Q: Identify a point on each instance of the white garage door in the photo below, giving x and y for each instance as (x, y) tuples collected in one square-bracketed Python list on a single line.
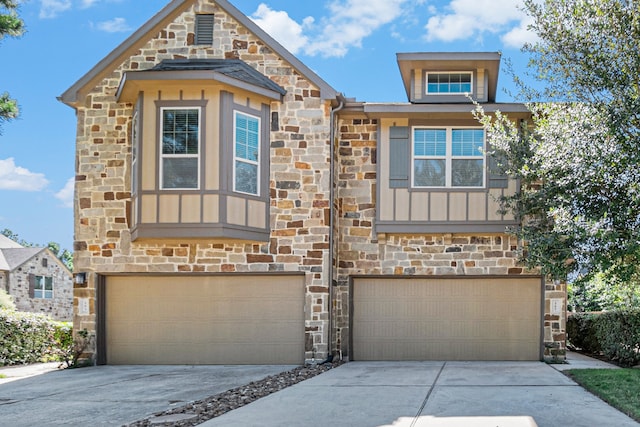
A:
[(446, 319), (204, 320)]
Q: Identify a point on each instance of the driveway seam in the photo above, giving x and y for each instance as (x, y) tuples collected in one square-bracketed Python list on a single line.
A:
[(424, 402)]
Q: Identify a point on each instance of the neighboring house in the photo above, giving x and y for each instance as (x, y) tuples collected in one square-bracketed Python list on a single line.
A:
[(36, 279), (232, 207)]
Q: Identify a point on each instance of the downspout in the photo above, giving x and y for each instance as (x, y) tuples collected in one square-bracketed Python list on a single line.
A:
[(332, 162)]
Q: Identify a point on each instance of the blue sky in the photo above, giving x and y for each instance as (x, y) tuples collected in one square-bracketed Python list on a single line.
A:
[(349, 43)]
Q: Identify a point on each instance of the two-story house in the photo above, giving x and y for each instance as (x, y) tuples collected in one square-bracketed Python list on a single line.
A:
[(232, 207)]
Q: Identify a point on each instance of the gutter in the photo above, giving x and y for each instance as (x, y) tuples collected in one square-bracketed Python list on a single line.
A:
[(332, 257)]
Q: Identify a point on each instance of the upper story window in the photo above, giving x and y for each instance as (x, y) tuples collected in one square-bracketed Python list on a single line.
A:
[(43, 287), (180, 155), (246, 165), (448, 83), (135, 122), (448, 157)]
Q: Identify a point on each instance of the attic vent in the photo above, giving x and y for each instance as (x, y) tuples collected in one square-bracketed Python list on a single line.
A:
[(204, 29)]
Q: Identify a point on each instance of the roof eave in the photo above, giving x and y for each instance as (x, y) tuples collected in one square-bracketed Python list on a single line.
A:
[(192, 75), (407, 110)]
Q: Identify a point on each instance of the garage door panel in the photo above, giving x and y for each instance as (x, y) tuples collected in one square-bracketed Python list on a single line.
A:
[(205, 320), (446, 319)]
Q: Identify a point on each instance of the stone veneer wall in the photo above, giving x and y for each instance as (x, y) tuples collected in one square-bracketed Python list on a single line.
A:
[(60, 307), (299, 181), (360, 251)]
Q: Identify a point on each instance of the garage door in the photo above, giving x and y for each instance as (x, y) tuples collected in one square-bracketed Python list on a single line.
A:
[(446, 319), (204, 320)]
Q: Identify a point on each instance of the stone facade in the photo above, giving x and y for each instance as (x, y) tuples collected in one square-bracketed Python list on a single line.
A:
[(361, 251), (300, 196), (299, 181), (16, 282)]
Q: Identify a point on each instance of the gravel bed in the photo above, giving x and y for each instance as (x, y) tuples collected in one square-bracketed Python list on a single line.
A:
[(197, 412)]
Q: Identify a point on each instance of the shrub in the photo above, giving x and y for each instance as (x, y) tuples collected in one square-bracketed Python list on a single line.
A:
[(582, 331), (619, 336), (24, 337), (69, 349), (6, 301)]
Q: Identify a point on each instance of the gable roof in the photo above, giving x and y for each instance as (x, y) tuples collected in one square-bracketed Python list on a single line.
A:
[(73, 95), (6, 243), (12, 258)]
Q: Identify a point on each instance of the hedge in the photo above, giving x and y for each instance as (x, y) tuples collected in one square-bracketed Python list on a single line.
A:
[(615, 334), (31, 338)]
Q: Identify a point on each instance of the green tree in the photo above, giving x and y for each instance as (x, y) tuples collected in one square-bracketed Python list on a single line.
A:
[(10, 25), (578, 157)]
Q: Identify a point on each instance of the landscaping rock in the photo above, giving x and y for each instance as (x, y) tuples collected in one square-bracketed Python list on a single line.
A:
[(197, 412)]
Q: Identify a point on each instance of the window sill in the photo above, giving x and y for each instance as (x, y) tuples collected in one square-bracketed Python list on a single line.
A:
[(199, 232)]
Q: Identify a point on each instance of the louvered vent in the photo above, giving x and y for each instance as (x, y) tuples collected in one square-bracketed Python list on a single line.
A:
[(204, 29)]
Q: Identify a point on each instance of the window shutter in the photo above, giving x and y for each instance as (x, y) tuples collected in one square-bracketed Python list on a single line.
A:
[(399, 157), (497, 179), (204, 29), (32, 285)]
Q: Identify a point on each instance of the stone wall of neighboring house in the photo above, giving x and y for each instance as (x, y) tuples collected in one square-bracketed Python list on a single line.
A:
[(360, 251), (3, 280), (60, 307), (299, 181)]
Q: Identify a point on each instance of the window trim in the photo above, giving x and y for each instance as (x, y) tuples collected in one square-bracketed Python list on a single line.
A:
[(43, 289), (448, 157), (237, 112), (162, 156), (135, 149), (426, 83)]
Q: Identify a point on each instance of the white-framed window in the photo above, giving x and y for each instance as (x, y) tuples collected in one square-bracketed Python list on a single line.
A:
[(43, 287), (448, 157), (246, 157), (134, 151), (449, 83), (180, 148)]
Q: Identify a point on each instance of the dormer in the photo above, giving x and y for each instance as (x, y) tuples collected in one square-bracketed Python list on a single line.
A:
[(449, 77)]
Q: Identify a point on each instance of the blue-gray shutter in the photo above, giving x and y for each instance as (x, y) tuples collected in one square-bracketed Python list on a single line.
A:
[(32, 285), (497, 179), (399, 156)]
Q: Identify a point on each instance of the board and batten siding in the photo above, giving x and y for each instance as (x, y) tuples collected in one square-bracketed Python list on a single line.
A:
[(406, 209), (213, 210)]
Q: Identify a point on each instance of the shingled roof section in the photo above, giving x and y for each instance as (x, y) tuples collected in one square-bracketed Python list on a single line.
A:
[(234, 68), (10, 259)]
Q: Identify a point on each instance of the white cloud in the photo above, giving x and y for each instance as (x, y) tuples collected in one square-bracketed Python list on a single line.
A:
[(115, 25), (350, 22), (281, 27), (66, 194), (14, 177), (51, 8), (471, 18), (87, 3), (520, 35)]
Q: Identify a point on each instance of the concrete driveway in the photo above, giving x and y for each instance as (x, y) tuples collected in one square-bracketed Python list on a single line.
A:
[(433, 394), (371, 394), (114, 395)]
